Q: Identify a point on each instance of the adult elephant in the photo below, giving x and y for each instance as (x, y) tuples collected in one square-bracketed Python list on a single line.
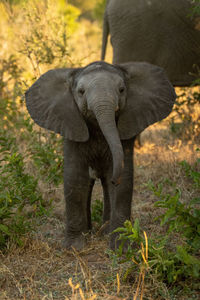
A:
[(161, 32), (99, 109)]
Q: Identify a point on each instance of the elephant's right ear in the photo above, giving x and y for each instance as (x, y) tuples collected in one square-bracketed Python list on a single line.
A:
[(51, 105), (150, 98)]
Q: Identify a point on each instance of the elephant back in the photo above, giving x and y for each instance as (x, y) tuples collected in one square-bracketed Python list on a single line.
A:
[(161, 32)]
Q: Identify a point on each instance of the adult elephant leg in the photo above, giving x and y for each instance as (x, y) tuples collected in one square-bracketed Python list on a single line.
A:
[(91, 185), (122, 194), (76, 189)]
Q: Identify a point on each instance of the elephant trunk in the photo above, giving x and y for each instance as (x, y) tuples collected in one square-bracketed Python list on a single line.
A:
[(106, 119)]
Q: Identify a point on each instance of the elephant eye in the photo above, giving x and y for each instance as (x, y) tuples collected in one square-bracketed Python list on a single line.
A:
[(81, 91), (121, 89)]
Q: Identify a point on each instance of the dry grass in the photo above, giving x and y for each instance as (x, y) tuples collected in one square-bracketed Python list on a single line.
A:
[(42, 269)]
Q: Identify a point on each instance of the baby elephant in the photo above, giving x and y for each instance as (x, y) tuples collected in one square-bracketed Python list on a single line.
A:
[(99, 109)]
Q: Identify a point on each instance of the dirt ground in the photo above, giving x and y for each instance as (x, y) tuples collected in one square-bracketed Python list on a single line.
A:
[(42, 269)]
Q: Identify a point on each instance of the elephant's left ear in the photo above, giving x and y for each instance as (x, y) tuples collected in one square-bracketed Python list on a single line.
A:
[(150, 98), (51, 105)]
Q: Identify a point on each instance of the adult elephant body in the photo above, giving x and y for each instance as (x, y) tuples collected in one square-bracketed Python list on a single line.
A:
[(99, 109), (161, 32)]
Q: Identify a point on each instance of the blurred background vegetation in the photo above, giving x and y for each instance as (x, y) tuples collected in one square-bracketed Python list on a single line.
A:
[(35, 36), (39, 35)]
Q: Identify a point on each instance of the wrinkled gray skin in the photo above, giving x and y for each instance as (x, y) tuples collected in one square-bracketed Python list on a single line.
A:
[(161, 32), (99, 109)]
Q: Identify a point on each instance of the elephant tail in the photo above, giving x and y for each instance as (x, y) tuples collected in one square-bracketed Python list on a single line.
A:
[(105, 36)]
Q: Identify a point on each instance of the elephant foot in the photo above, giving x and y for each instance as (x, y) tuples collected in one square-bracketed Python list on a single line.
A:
[(105, 229), (115, 243), (77, 243)]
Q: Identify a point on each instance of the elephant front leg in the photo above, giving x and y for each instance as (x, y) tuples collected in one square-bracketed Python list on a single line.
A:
[(105, 181), (106, 196), (76, 189), (122, 195), (91, 185)]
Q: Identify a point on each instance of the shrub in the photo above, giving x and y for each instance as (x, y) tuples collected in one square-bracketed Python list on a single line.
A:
[(47, 155), (97, 210), (185, 123), (159, 256), (39, 31), (99, 10), (20, 199)]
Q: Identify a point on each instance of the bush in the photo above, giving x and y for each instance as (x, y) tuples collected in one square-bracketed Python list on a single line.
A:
[(43, 29), (97, 211), (161, 257), (99, 10), (20, 198), (185, 123), (47, 155), (196, 8), (40, 32)]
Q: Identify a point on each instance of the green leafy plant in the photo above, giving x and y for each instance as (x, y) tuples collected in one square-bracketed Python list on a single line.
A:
[(169, 262), (19, 196), (46, 153), (185, 123), (195, 8), (166, 265), (192, 171), (182, 217), (97, 210), (131, 234)]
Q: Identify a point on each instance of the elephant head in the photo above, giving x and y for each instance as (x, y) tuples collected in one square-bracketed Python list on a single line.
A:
[(122, 99)]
